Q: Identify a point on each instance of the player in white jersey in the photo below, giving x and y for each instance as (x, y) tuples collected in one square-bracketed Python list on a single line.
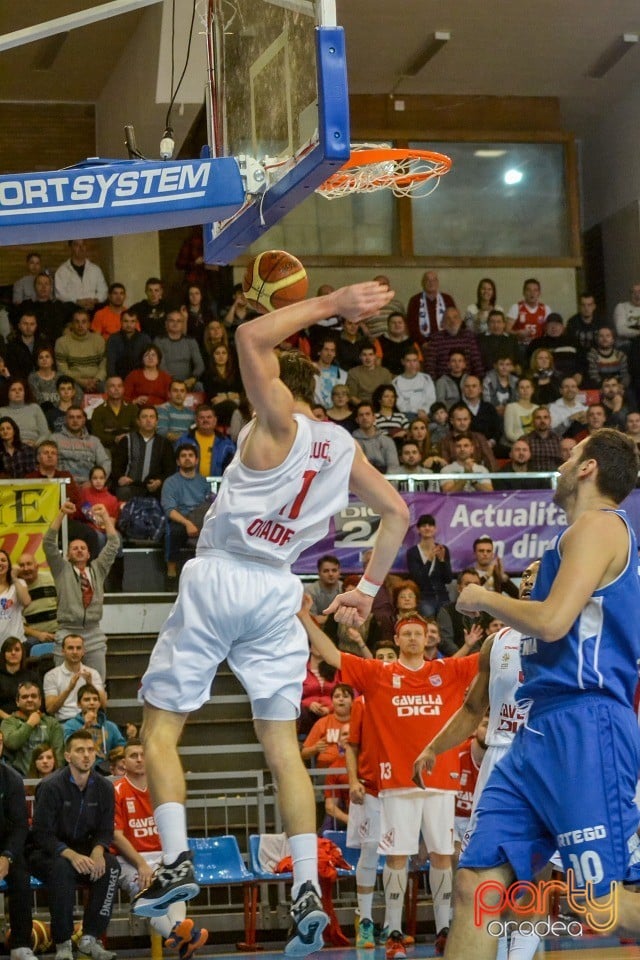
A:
[(494, 688), (238, 598)]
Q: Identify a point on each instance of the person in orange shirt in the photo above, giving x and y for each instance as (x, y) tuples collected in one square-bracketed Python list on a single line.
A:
[(106, 320), (329, 734), (406, 699), (137, 844)]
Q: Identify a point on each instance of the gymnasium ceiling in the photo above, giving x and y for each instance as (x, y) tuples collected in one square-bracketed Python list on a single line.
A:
[(497, 47)]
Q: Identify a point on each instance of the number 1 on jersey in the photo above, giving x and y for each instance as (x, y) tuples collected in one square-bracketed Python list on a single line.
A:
[(296, 506)]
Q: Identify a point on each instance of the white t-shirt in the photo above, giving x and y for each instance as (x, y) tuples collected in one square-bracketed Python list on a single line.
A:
[(415, 393), (58, 679), (11, 621)]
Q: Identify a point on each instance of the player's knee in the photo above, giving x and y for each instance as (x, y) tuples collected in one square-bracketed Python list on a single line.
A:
[(464, 889)]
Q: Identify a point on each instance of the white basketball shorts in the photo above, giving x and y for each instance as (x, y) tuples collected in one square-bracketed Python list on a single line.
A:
[(405, 815), (363, 826)]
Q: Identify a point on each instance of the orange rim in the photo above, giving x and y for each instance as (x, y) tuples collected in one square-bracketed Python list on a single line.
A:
[(439, 164)]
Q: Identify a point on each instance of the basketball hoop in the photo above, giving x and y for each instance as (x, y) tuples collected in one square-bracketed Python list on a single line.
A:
[(403, 170)]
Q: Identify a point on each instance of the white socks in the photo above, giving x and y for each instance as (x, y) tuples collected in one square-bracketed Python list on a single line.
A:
[(440, 882), (395, 886), (304, 854), (171, 821)]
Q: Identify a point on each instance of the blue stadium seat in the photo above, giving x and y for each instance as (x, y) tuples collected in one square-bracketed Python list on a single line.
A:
[(254, 863), (351, 854), (217, 860), (42, 649)]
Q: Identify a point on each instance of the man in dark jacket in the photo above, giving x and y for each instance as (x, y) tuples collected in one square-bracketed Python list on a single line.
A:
[(72, 833), (13, 868), (143, 459)]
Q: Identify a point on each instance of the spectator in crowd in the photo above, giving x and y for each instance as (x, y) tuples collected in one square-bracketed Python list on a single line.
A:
[(215, 451), (416, 390), (136, 839), (426, 310), (174, 417), (379, 449), (80, 281), (449, 385), (596, 419), (382, 607), (81, 354), (626, 316), (42, 380), (113, 419), (488, 566), (69, 395), (563, 347), (438, 423), (453, 625), (632, 428), (500, 385), (584, 325), (199, 313), (22, 346), (142, 459), (476, 316), (126, 346), (27, 727), (80, 586), (13, 868), (340, 410), (452, 336), (393, 344), (183, 496), (24, 288), (544, 376), (406, 599), (389, 419), (518, 416), (17, 459), (52, 315), (526, 318), (72, 835), (498, 342), (239, 311), (568, 409), (324, 590), (181, 357), (329, 374), (460, 423), (612, 395), (152, 310), (317, 687), (14, 598), (221, 381), (215, 334), (429, 566), (519, 462), (47, 467), (465, 463), (605, 360), (419, 433), (328, 736), (363, 379), (13, 672), (91, 716), (356, 640), (377, 325), (41, 616), (351, 340), (543, 442), (566, 446), (485, 418), (148, 384), (17, 403), (410, 465), (78, 451), (92, 493), (61, 684), (106, 320), (43, 762)]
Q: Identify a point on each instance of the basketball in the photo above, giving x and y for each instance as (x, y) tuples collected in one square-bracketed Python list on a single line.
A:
[(274, 279), (40, 937)]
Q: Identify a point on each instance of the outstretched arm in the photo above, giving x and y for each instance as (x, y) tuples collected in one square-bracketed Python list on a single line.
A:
[(463, 722), (320, 642), (257, 339), (372, 488)]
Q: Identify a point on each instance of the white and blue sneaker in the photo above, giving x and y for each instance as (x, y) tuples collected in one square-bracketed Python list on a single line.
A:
[(308, 922)]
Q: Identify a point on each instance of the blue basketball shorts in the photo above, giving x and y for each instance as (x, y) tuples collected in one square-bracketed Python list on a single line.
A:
[(568, 783)]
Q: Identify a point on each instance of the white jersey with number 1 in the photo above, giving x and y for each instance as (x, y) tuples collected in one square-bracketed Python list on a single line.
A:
[(275, 514)]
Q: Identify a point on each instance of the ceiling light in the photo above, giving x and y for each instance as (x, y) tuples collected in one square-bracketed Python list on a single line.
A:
[(489, 154), (512, 177), (612, 55)]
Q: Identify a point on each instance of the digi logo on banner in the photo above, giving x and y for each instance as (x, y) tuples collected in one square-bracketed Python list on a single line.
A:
[(356, 526)]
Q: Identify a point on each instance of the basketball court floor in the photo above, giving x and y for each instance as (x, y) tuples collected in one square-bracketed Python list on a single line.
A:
[(589, 948)]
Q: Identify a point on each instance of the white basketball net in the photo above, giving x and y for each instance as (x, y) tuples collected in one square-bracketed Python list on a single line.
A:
[(404, 175)]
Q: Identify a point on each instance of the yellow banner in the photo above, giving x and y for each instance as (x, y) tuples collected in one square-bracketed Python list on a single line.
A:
[(27, 508)]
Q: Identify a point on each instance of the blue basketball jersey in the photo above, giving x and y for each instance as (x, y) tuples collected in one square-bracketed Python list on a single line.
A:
[(600, 652)]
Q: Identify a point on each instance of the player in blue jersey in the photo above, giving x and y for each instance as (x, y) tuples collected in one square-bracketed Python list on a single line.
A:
[(569, 779)]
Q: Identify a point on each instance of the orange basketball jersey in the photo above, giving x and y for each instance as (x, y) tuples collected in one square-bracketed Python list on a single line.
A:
[(134, 817)]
